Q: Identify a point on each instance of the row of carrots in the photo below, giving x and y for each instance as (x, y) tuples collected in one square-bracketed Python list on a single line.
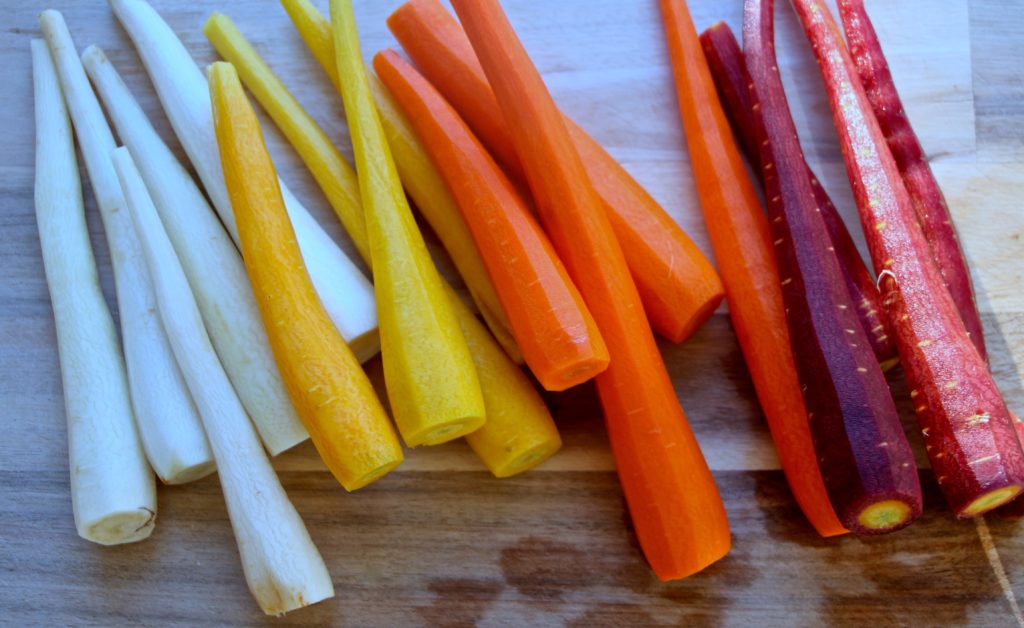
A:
[(257, 323)]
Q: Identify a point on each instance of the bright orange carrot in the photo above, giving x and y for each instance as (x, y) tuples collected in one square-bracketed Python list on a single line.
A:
[(741, 239), (676, 509), (677, 285), (332, 394), (551, 324)]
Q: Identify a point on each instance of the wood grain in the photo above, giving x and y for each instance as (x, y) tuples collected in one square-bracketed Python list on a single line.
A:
[(440, 542)]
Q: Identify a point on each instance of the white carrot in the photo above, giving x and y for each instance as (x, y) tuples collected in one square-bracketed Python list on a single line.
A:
[(171, 431), (112, 490), (345, 292), (210, 260), (282, 566)]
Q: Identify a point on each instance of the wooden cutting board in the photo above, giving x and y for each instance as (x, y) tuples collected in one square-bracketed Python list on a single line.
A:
[(439, 541)]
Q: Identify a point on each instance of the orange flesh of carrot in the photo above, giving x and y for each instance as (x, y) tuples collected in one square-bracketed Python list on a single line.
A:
[(551, 324), (331, 393), (675, 506), (741, 240), (677, 284)]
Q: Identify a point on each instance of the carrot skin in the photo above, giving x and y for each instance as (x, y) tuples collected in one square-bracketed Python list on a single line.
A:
[(552, 326), (331, 393), (729, 70), (677, 284), (930, 204), (968, 430), (863, 454), (742, 243), (678, 514)]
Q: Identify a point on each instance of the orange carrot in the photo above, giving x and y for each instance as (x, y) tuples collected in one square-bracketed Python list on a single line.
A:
[(552, 326), (677, 285), (742, 243), (678, 514)]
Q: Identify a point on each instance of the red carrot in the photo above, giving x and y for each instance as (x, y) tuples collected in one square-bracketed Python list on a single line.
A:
[(678, 514), (677, 285), (925, 195), (729, 70), (968, 430), (742, 242), (551, 324), (863, 454)]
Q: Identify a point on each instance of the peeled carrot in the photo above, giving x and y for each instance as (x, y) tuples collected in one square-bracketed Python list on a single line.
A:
[(431, 381), (519, 433), (678, 286), (729, 70), (419, 177), (678, 514), (332, 394), (552, 325), (742, 243), (925, 193)]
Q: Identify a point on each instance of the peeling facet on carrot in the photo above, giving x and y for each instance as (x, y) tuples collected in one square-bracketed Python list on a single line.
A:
[(742, 241), (332, 394), (431, 380), (676, 509), (678, 286), (552, 325), (418, 175), (968, 430), (728, 68)]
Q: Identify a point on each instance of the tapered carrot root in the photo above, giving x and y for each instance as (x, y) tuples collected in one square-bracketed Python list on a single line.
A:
[(968, 430), (925, 194), (677, 285), (552, 325), (725, 59), (863, 454), (678, 514), (742, 243), (331, 392)]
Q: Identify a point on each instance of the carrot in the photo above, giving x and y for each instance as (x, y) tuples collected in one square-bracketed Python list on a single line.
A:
[(863, 454), (519, 433), (432, 383), (729, 70), (678, 286), (925, 193), (742, 244), (968, 430), (332, 394), (552, 325), (678, 514), (419, 177)]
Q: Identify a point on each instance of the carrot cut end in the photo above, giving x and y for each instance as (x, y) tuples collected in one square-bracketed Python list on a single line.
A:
[(885, 516), (371, 476), (528, 459), (990, 500)]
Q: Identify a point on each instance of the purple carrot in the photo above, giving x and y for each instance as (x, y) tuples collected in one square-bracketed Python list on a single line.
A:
[(729, 70), (864, 457), (929, 203)]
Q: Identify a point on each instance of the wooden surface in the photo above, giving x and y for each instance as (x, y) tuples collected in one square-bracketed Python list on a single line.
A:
[(441, 542)]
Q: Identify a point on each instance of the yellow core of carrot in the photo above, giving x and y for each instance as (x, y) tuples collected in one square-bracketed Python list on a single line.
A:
[(990, 500), (884, 515), (331, 393)]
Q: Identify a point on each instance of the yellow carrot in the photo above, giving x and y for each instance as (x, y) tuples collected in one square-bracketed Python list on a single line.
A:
[(419, 177), (519, 432), (332, 394), (431, 380)]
